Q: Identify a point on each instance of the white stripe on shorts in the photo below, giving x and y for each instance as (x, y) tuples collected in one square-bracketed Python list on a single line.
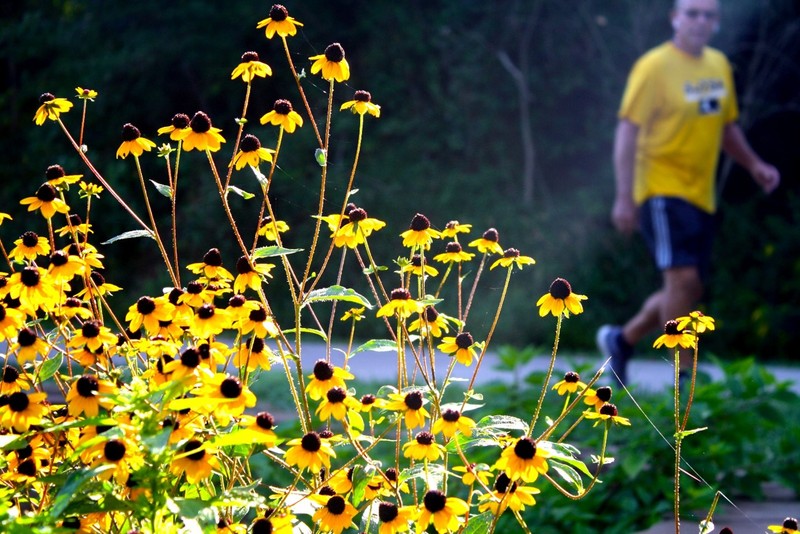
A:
[(663, 248)]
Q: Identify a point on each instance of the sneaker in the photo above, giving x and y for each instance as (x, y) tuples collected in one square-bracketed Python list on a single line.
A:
[(615, 349)]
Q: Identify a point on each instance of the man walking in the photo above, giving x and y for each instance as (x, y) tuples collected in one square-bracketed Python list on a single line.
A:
[(678, 110)]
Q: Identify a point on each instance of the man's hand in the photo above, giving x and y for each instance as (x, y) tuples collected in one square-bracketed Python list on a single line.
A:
[(766, 176), (624, 215)]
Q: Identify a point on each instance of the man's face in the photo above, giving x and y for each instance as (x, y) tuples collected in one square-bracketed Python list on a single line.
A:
[(694, 22)]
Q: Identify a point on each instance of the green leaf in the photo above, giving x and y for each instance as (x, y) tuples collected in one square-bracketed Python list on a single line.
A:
[(336, 293), (262, 180), (273, 250), (50, 367), (314, 331), (478, 524), (163, 189), (129, 235), (72, 487), (683, 434), (569, 475), (564, 453), (321, 156), (241, 192), (377, 345), (356, 421), (502, 422)]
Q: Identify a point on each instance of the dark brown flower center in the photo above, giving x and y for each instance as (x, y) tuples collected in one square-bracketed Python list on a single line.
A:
[(790, 522), (609, 409), (46, 193), (387, 512), (336, 395), (311, 442), (368, 400), (194, 287), (491, 235), (18, 401), (431, 314), (30, 276), (236, 301), (671, 328), (24, 452), (424, 438), (46, 97), (262, 525), (278, 13), (265, 420), (250, 143), (334, 52), (30, 239), (213, 257), (571, 377), (451, 416), (90, 329), (362, 96), (231, 388), (399, 294), (145, 305), (357, 214), (453, 247), (419, 223), (434, 501), (259, 315), (417, 260), (26, 337), (511, 253), (87, 386), (114, 450), (200, 123), (336, 505), (194, 445), (560, 289), (27, 467), (525, 448), (282, 107), (243, 265), (130, 132), (54, 172), (323, 370), (10, 375), (249, 56), (603, 393), (190, 358), (206, 311), (58, 258), (391, 474), (164, 360), (464, 340), (413, 400), (180, 121)]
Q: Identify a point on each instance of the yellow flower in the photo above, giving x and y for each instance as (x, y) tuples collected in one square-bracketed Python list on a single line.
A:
[(64, 267), (474, 473), (133, 142), (121, 453), (453, 228), (356, 314), (419, 266), (250, 274), (29, 345), (251, 153), (270, 229), (523, 460), (222, 396), (488, 243), (88, 394), (279, 22), (607, 412), (354, 232), (179, 122), (393, 519), (200, 134), (149, 312), (451, 422), (400, 303), (11, 320), (335, 404), (419, 234), (196, 459), (86, 94), (324, 377), (310, 452), (11, 380), (699, 322), (253, 354), (462, 346), (332, 64), (209, 321), (423, 447), (560, 299), (361, 104), (46, 201), (250, 67), (51, 107), (211, 266), (507, 494), (446, 513), (56, 176), (453, 253), (335, 515), (34, 288), (411, 405), (674, 336), (94, 335), (283, 115), (789, 526), (570, 384), (431, 322), (189, 368), (22, 410), (511, 258), (28, 247), (259, 428), (597, 398)]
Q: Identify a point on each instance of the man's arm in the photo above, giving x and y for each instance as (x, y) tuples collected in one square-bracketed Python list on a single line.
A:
[(735, 144), (623, 213)]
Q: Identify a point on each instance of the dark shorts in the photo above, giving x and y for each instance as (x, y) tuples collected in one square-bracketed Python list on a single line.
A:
[(677, 233)]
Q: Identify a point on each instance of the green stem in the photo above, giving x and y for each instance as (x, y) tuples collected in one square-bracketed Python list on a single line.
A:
[(548, 376)]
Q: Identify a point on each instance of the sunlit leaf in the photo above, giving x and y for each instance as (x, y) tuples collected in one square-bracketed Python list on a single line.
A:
[(163, 189), (336, 293), (132, 234)]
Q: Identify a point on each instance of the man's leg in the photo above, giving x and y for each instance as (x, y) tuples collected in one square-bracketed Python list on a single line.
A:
[(683, 288)]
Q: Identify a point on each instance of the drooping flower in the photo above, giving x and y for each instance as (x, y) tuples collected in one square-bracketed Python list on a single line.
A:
[(270, 229), (453, 253), (324, 377), (283, 115), (393, 519), (310, 452), (411, 405), (699, 322), (279, 22), (453, 228), (357, 229), (423, 447), (335, 514), (196, 459), (29, 345), (56, 176), (251, 153), (400, 304), (445, 513), (361, 104), (607, 412), (523, 460), (674, 336), (211, 266), (250, 274), (507, 494), (200, 134), (418, 266), (88, 394), (86, 94), (419, 234), (51, 107), (46, 201), (28, 247), (64, 266), (488, 243), (570, 384), (511, 257), (178, 123), (250, 67), (149, 312), (431, 322), (133, 142), (560, 299), (22, 410), (452, 421), (597, 398), (789, 526), (462, 346), (260, 428), (332, 64)]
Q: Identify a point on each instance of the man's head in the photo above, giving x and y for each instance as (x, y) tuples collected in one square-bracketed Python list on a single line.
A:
[(693, 23)]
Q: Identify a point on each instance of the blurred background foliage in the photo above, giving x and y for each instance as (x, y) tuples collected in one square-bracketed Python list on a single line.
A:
[(497, 114)]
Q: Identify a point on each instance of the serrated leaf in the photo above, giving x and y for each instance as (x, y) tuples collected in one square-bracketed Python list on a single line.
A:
[(336, 293), (478, 524), (72, 486), (132, 234), (49, 367), (163, 189), (377, 345), (502, 422), (569, 475), (241, 192), (273, 250)]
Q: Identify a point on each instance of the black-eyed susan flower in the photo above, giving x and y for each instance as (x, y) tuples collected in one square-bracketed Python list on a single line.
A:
[(149, 312), (22, 410), (270, 229), (46, 201), (507, 494), (523, 460), (370, 402), (354, 314), (34, 289), (453, 253), (335, 404), (222, 396), (674, 337), (445, 513), (209, 321), (122, 454), (72, 308), (393, 519), (400, 304), (178, 123), (453, 228), (560, 299), (411, 405), (597, 398), (251, 153), (11, 320), (28, 247), (511, 257), (335, 514), (56, 176), (423, 447), (474, 473), (226, 525), (196, 294), (310, 452), (133, 142), (64, 266), (430, 322), (324, 377), (211, 266), (200, 134), (461, 346), (607, 412), (94, 335), (789, 526), (283, 115), (488, 243), (188, 368), (452, 422), (29, 345), (250, 274), (261, 428), (88, 394), (26, 463), (570, 384), (361, 104), (357, 229), (418, 266), (12, 380), (50, 108), (253, 354), (419, 233), (250, 67), (85, 94), (279, 22), (332, 64), (698, 322), (196, 459)]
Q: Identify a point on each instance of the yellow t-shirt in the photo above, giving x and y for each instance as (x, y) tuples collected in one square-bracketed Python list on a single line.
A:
[(681, 104)]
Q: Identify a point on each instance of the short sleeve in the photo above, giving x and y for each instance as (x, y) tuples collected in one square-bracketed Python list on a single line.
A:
[(641, 92)]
